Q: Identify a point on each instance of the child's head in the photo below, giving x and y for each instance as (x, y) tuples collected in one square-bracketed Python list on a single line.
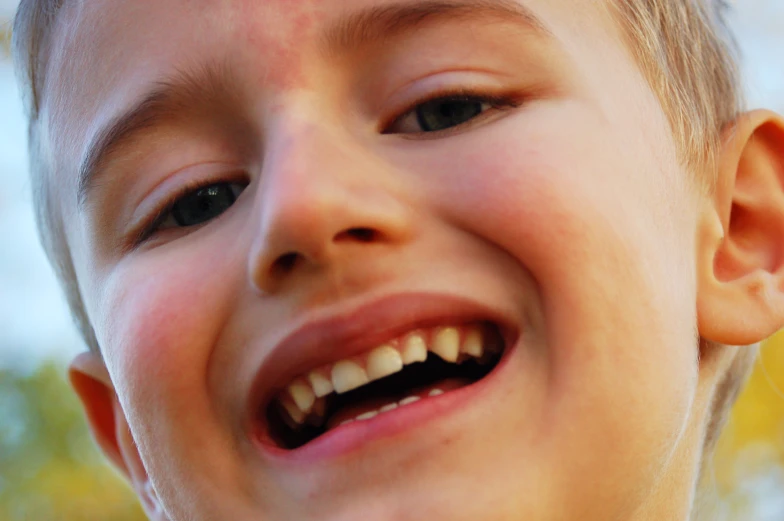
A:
[(251, 203)]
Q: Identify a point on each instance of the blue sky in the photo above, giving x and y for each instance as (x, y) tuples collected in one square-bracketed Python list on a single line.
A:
[(34, 322)]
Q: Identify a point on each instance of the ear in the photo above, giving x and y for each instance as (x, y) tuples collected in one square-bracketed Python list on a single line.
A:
[(92, 383), (740, 259)]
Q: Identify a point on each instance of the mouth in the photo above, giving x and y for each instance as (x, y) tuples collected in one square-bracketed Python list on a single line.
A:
[(421, 365)]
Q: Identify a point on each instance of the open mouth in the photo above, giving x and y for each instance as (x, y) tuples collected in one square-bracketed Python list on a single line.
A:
[(422, 364)]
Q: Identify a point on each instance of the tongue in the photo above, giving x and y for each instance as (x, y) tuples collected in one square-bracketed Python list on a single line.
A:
[(350, 412)]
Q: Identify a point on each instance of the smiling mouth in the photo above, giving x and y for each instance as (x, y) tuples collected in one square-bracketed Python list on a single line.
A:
[(420, 365)]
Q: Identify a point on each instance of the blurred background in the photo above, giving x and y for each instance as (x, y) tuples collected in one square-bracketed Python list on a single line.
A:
[(49, 467)]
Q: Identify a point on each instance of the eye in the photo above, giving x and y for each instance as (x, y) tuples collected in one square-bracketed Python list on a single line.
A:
[(200, 205), (446, 112)]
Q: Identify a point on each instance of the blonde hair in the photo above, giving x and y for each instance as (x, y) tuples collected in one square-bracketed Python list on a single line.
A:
[(687, 54), (682, 47)]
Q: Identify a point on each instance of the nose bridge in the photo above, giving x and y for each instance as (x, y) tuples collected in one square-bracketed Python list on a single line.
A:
[(293, 189), (319, 195)]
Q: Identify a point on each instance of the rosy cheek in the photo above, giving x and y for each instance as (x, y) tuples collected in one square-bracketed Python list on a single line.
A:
[(513, 190), (164, 322)]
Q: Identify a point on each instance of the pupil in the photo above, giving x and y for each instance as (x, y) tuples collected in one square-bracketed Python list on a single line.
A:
[(203, 204), (441, 114)]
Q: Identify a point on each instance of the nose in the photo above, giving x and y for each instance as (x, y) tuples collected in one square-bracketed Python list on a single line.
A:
[(322, 203)]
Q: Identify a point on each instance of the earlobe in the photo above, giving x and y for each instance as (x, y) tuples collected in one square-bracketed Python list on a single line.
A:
[(741, 238), (93, 386), (92, 383)]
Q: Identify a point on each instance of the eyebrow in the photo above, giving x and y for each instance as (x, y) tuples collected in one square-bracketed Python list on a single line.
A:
[(170, 98), (166, 101), (378, 23)]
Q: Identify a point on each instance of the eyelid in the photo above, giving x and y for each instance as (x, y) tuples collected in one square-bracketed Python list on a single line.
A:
[(495, 100), (143, 231)]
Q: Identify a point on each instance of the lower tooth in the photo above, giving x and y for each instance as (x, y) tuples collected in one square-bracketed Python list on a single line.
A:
[(410, 399), (435, 392), (367, 415), (389, 407)]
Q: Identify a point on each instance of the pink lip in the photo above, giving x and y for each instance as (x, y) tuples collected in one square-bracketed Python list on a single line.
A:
[(353, 331), (351, 437)]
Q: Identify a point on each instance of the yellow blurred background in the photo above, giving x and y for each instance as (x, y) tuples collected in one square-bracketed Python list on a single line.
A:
[(749, 460), (50, 469)]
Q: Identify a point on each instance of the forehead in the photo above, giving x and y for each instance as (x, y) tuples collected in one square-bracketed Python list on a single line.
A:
[(110, 51), (101, 42)]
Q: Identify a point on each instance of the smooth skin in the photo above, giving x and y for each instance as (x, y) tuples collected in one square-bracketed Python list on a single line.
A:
[(566, 210)]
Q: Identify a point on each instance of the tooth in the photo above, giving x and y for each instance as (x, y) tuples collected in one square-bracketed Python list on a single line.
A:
[(367, 415), (435, 392), (347, 375), (320, 383), (344, 422), (316, 415), (319, 407), (446, 344), (295, 413), (414, 349), (410, 399), (302, 394), (388, 407), (383, 361), (472, 344)]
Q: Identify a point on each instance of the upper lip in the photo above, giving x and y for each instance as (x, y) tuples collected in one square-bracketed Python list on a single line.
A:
[(339, 335)]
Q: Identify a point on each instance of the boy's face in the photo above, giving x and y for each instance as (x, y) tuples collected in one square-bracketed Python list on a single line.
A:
[(541, 197)]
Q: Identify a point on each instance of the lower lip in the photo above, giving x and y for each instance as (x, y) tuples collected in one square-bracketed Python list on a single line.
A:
[(345, 439)]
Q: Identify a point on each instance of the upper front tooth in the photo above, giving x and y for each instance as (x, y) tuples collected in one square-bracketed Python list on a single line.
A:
[(414, 349), (320, 383), (383, 361), (446, 344), (347, 375), (302, 394), (472, 344)]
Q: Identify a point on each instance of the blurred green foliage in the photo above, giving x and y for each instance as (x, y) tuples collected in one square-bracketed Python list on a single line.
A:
[(49, 467), (51, 471)]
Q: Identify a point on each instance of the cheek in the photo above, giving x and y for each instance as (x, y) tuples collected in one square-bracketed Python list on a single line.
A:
[(161, 324), (580, 209), (167, 312)]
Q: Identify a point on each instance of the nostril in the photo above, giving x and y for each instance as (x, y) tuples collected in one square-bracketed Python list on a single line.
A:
[(288, 262), (358, 234), (285, 263)]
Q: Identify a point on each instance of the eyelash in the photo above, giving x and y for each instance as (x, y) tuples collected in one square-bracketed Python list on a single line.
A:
[(496, 102), (151, 225)]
